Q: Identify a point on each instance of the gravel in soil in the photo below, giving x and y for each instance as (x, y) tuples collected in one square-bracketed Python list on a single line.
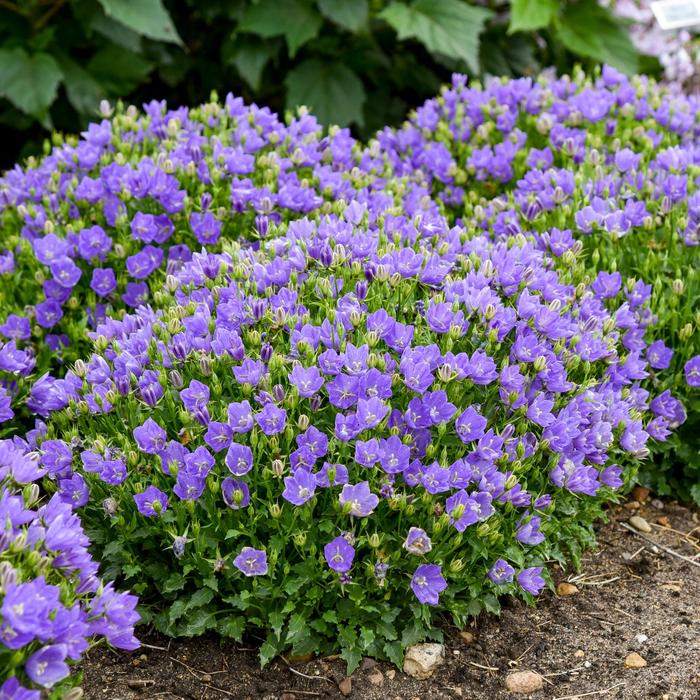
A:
[(632, 599)]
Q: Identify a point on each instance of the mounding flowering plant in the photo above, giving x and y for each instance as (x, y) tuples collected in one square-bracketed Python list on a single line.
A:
[(53, 605), (93, 228), (609, 160), (366, 422)]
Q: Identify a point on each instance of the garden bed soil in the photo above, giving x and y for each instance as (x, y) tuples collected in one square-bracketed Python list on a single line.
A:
[(632, 597)]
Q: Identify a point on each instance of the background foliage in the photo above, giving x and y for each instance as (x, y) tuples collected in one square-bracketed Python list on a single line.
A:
[(359, 63)]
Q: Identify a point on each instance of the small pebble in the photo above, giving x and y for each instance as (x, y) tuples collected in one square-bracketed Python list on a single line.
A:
[(634, 660), (421, 660), (345, 686), (376, 678), (663, 521), (468, 637), (657, 503), (367, 663), (391, 674), (523, 682), (640, 524), (579, 653), (456, 652), (632, 505), (641, 638), (566, 589), (288, 696)]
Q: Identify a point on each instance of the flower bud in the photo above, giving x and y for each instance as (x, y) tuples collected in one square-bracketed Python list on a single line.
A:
[(374, 540), (275, 511), (678, 286), (540, 363), (31, 494), (278, 467), (303, 421), (456, 565)]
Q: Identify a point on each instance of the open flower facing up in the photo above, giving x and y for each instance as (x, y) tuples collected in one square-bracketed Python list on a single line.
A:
[(427, 583), (339, 554), (251, 562)]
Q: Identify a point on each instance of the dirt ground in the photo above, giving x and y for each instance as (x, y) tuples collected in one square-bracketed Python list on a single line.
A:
[(632, 597)]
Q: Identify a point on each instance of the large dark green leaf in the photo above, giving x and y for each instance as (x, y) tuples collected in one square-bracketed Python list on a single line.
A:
[(329, 89), (119, 70), (83, 91), (29, 81), (250, 56), (448, 27), (528, 15), (593, 31), (146, 17), (350, 14), (296, 20)]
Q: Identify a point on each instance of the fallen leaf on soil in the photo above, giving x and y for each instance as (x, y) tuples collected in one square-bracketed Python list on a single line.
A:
[(640, 524), (345, 686), (640, 493), (566, 589), (523, 682), (634, 660)]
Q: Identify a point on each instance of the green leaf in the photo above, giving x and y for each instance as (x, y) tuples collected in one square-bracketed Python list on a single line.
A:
[(394, 652), (593, 31), (349, 15), (29, 82), (177, 609), (114, 31), (331, 91), (200, 598), (232, 627), (267, 652), (198, 622), (146, 17), (695, 493), (250, 56), (297, 627), (296, 20), (352, 657), (132, 69), (528, 15), (276, 620), (84, 92), (449, 27), (174, 582)]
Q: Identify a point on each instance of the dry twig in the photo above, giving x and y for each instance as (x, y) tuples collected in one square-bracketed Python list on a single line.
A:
[(662, 547), (592, 692)]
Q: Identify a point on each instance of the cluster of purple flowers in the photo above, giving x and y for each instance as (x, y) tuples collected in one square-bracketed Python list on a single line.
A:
[(360, 365), (93, 227), (395, 368), (609, 160), (52, 603)]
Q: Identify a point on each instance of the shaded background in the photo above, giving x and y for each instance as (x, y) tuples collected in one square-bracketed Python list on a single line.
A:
[(358, 63)]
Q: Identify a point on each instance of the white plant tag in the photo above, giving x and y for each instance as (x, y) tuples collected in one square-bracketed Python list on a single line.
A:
[(676, 14)]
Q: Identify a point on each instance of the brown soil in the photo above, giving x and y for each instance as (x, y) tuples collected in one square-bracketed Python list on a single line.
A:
[(629, 589)]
